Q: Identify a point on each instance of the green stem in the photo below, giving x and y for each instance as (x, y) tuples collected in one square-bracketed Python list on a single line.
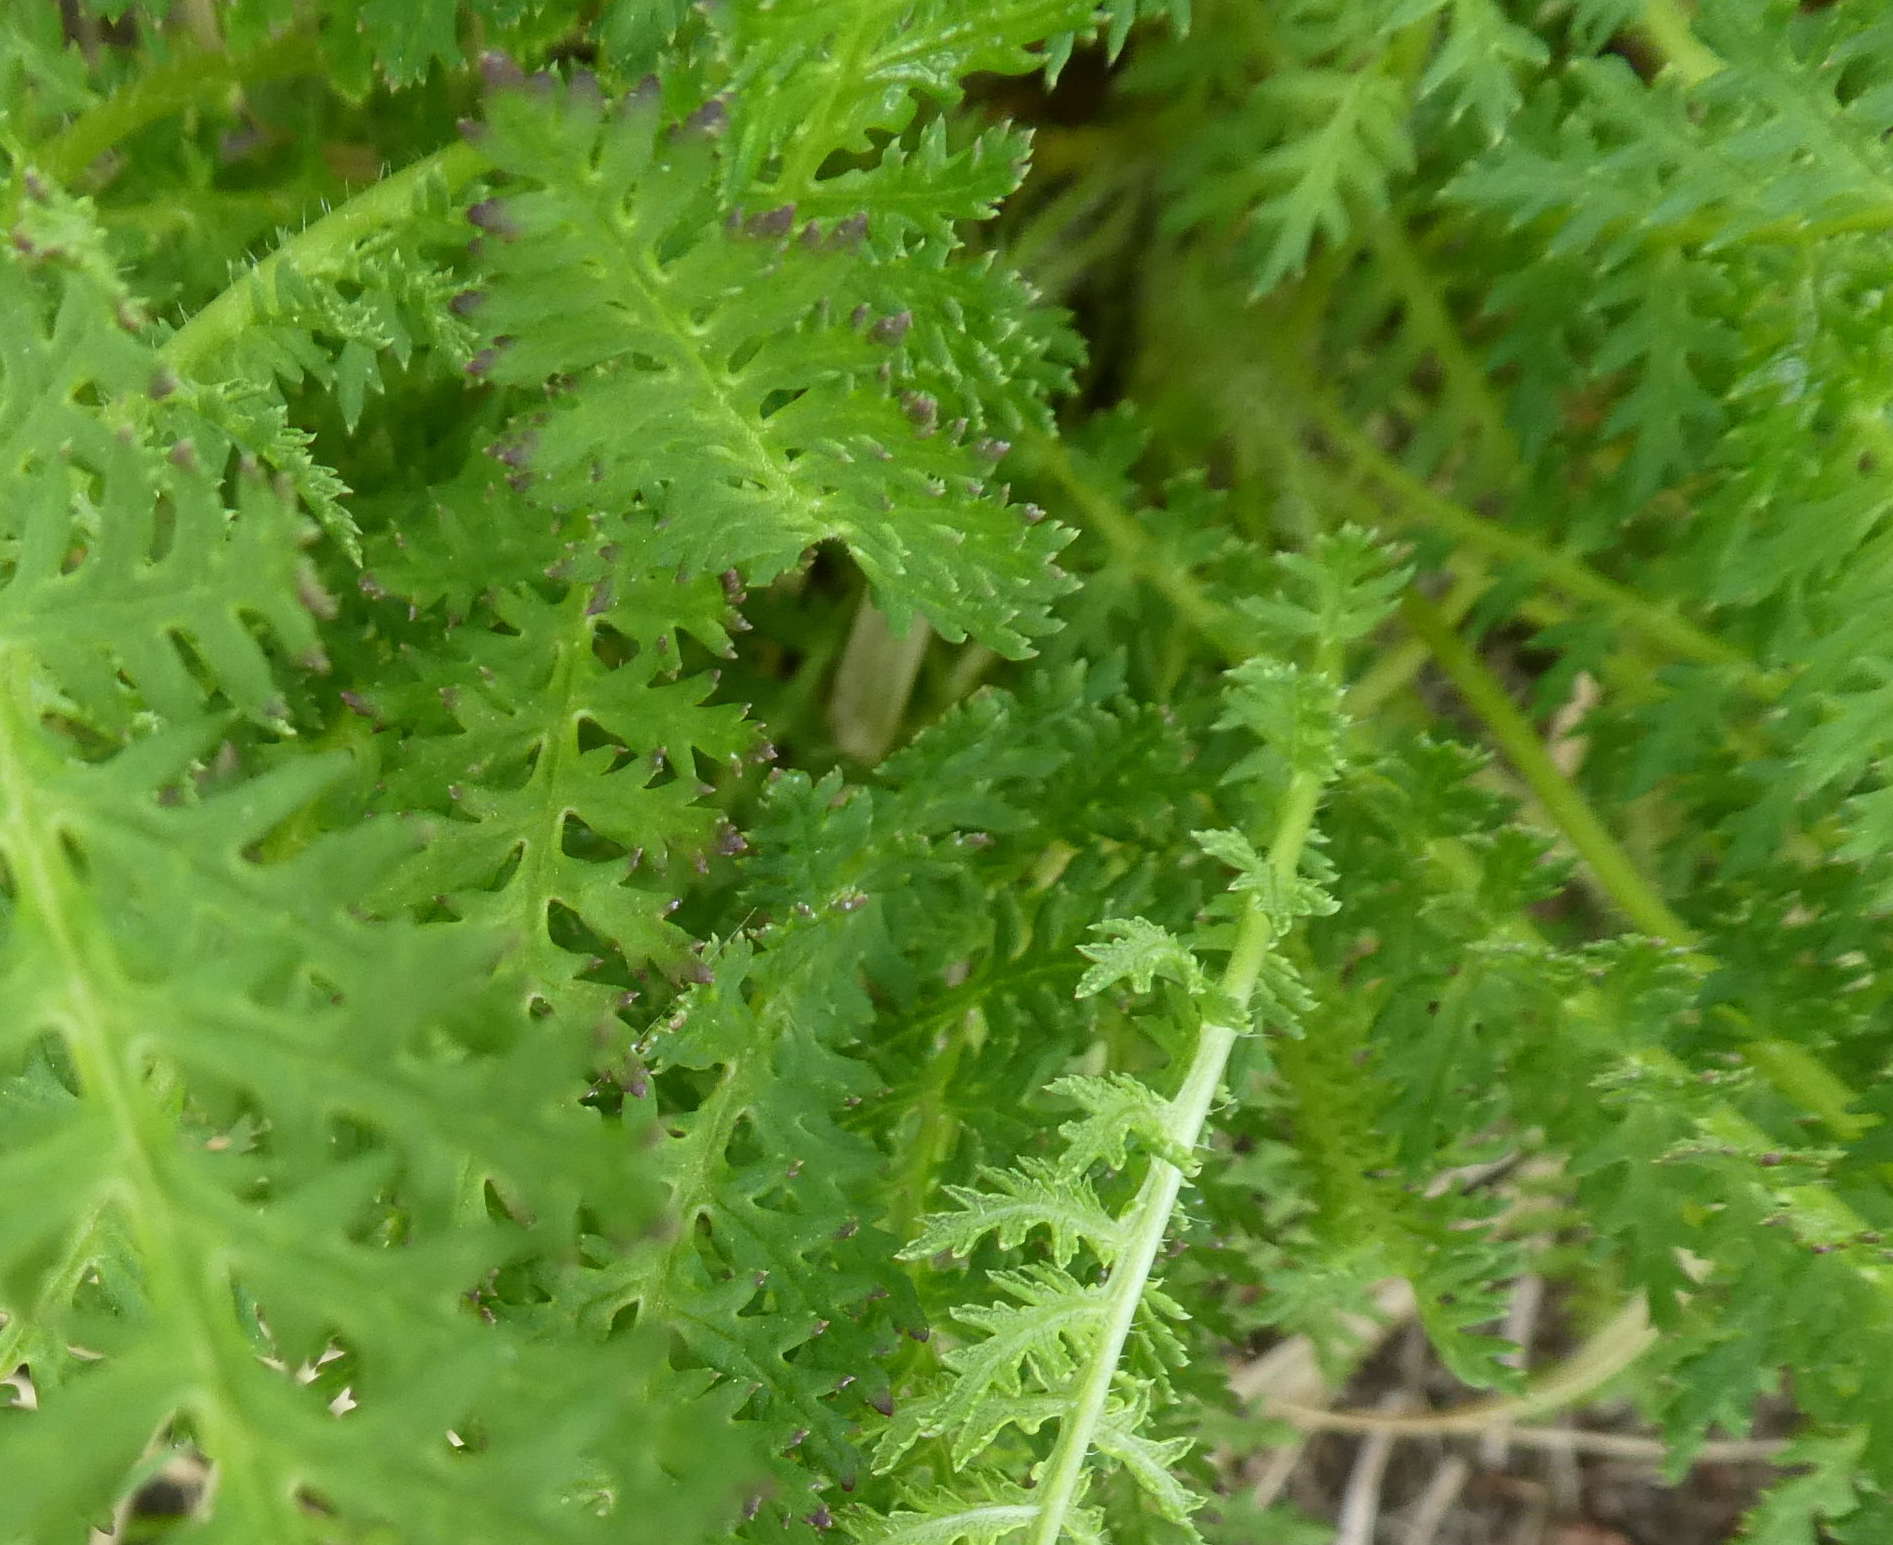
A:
[(1634, 895), (1418, 504), (1792, 1070), (167, 219), (1130, 1276), (1185, 1119), (1797, 1073), (1399, 665), (326, 242), (1665, 24), (170, 88), (874, 682), (1216, 623)]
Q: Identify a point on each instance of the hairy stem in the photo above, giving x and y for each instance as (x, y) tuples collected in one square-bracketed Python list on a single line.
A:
[(1186, 1116), (1793, 1070), (327, 241)]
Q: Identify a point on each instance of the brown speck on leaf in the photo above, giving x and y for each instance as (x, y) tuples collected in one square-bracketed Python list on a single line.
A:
[(315, 600), (921, 410), (499, 71), (772, 222), (712, 118)]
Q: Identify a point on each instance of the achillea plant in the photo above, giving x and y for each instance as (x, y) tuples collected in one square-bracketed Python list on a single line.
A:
[(762, 762)]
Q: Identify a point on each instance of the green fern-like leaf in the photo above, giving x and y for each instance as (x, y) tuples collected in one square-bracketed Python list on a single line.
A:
[(1302, 159), (116, 539), (744, 408), (333, 1097), (560, 746)]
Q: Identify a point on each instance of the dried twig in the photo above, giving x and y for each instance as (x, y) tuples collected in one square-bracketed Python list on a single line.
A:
[(1271, 1472), (1360, 1502), (1442, 1491), (1521, 1321), (1290, 1371)]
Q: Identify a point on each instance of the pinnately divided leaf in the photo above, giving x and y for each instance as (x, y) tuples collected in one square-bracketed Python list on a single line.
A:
[(1039, 1194), (809, 784), (739, 363), (1139, 952), (247, 1238)]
